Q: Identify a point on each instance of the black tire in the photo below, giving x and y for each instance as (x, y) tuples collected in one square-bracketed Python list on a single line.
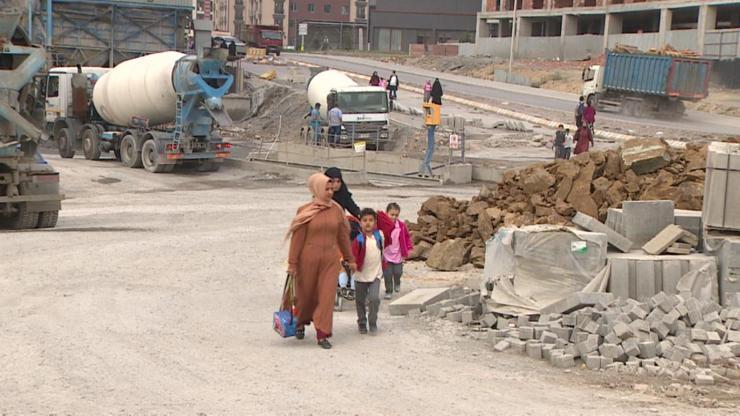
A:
[(23, 219), (65, 142), (91, 144), (130, 157), (150, 158), (48, 219)]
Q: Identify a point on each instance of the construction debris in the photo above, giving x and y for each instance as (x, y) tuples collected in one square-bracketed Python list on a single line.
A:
[(552, 193), (672, 336)]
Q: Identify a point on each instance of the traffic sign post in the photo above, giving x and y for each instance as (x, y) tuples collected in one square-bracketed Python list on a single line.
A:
[(302, 32)]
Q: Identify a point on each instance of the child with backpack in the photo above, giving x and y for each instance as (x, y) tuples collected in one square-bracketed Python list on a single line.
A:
[(398, 246), (367, 249)]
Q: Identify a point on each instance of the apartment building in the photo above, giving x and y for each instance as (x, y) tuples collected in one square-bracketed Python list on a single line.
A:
[(332, 24), (253, 12), (574, 29)]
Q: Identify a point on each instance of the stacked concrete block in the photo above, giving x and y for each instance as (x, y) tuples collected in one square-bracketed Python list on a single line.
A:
[(722, 187), (639, 276), (727, 249), (614, 238), (669, 238), (643, 220), (691, 221)]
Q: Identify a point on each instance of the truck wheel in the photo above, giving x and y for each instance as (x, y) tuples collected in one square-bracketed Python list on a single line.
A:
[(150, 158), (48, 219), (65, 141), (91, 144), (23, 219), (129, 156)]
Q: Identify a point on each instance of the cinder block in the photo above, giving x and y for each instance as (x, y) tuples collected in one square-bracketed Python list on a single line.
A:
[(645, 278), (690, 221), (619, 279), (566, 361), (418, 299), (643, 220), (526, 333), (622, 330), (548, 337), (455, 316), (547, 350), (502, 323), (488, 320), (631, 347), (467, 317), (647, 349), (664, 239), (534, 350), (612, 351), (593, 362), (713, 338), (605, 361), (518, 346), (502, 346)]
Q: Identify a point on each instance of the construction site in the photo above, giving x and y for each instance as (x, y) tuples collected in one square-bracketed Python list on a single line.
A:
[(151, 165)]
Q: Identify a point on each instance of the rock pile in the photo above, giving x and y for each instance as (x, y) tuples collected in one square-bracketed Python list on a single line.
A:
[(552, 193), (668, 335)]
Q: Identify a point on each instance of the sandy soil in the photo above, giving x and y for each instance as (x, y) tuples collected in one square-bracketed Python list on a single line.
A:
[(155, 294)]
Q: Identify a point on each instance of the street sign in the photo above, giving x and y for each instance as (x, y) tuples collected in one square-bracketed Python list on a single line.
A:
[(302, 29), (454, 141)]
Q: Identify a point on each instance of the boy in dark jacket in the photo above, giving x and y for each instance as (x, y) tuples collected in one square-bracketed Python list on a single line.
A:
[(367, 249)]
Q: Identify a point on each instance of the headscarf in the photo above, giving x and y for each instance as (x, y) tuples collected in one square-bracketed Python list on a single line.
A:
[(437, 92), (317, 185), (343, 196)]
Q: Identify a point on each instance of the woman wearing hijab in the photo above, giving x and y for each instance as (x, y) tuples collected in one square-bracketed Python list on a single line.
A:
[(342, 195), (375, 80), (437, 92), (318, 236)]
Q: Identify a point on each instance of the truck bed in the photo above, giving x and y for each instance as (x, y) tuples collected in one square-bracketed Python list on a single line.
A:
[(657, 75)]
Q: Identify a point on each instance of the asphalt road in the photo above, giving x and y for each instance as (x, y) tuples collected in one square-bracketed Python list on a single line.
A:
[(501, 92)]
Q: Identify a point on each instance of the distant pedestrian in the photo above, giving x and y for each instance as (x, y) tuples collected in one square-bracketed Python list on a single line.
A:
[(437, 92), (314, 121), (383, 84), (375, 80), (568, 144), (427, 91), (393, 85), (589, 116), (224, 45), (558, 144), (335, 125), (579, 111), (584, 140), (232, 49)]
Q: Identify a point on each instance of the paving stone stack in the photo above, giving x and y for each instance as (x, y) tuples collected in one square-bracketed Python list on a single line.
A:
[(552, 193), (668, 335)]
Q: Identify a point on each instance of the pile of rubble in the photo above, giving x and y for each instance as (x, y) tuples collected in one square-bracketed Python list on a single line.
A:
[(552, 193), (675, 336)]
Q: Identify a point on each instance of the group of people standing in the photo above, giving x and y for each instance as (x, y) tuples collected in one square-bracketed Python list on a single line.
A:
[(566, 144), (321, 238), (391, 84)]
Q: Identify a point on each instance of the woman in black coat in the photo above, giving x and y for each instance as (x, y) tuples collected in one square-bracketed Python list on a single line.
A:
[(437, 92), (342, 195)]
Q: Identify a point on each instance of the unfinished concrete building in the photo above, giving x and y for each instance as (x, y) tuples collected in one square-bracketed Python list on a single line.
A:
[(575, 29)]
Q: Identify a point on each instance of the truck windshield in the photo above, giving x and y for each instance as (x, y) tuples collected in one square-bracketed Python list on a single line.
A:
[(363, 102), (272, 35)]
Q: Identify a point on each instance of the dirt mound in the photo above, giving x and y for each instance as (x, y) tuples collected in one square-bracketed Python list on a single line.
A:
[(270, 101), (552, 193)]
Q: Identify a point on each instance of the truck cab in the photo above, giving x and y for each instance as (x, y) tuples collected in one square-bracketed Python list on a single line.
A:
[(269, 38), (593, 81), (68, 106), (366, 114)]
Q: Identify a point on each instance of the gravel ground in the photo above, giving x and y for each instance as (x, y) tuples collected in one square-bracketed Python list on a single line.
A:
[(155, 294)]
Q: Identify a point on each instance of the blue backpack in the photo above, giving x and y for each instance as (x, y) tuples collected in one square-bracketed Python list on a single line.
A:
[(378, 240)]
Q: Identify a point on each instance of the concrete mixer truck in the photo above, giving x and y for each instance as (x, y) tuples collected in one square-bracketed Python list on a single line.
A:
[(366, 114), (29, 187), (156, 111)]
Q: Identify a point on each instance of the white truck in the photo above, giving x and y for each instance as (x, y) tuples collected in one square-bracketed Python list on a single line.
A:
[(155, 112), (365, 109)]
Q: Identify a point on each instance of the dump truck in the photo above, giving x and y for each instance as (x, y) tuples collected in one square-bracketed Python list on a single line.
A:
[(156, 111), (29, 187), (269, 38), (366, 113), (643, 84)]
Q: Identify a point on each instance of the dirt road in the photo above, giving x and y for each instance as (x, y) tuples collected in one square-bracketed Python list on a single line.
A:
[(155, 293)]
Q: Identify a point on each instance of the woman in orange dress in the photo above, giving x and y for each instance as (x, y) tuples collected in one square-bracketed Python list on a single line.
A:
[(319, 237)]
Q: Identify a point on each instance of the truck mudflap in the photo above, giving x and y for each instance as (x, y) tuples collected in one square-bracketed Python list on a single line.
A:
[(172, 154)]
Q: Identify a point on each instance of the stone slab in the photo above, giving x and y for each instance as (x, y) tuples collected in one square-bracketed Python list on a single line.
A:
[(664, 239), (592, 224), (643, 220), (418, 299), (576, 301), (722, 187), (726, 247)]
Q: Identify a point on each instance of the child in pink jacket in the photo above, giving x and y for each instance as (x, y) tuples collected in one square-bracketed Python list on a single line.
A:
[(398, 245)]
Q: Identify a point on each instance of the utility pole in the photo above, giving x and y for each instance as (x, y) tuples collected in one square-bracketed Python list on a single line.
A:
[(238, 18), (513, 34)]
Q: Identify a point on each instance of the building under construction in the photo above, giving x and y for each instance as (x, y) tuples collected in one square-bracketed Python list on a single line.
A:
[(106, 32)]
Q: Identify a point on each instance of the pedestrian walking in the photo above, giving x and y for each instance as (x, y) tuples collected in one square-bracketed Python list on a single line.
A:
[(589, 116), (232, 50), (427, 91), (397, 247), (584, 140), (568, 144), (393, 85), (375, 80), (335, 125), (558, 143), (579, 111), (342, 195), (314, 122), (367, 248), (383, 84), (437, 92), (318, 234)]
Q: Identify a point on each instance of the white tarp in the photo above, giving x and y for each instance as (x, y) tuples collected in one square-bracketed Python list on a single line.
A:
[(532, 267)]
